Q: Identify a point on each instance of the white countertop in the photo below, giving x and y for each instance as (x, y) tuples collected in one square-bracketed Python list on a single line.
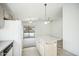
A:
[(4, 44), (48, 38)]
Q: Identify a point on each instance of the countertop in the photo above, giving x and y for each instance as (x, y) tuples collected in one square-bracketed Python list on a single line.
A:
[(4, 44), (48, 38)]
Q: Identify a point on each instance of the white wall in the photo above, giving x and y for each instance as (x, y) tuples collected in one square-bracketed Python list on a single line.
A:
[(13, 31), (53, 28), (41, 28), (56, 28), (71, 28)]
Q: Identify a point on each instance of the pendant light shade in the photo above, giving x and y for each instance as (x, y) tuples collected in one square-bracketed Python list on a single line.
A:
[(46, 19), (46, 22)]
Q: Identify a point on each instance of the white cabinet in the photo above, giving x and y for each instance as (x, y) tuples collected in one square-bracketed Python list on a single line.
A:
[(40, 47), (49, 47)]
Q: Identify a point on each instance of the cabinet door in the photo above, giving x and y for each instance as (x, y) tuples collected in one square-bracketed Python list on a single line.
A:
[(40, 47), (50, 49)]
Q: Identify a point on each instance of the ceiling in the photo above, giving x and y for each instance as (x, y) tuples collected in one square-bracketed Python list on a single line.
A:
[(24, 11)]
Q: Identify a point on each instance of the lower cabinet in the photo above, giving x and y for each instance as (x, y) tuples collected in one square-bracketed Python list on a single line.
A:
[(49, 48), (40, 47)]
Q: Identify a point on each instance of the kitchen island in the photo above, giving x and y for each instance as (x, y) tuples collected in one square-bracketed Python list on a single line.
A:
[(49, 46)]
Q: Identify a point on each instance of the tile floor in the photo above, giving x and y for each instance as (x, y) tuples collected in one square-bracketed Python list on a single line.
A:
[(32, 51)]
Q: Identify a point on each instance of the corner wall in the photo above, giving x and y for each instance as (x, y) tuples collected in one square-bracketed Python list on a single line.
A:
[(71, 28)]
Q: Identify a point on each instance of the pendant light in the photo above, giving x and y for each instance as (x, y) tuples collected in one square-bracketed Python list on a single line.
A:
[(46, 19)]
